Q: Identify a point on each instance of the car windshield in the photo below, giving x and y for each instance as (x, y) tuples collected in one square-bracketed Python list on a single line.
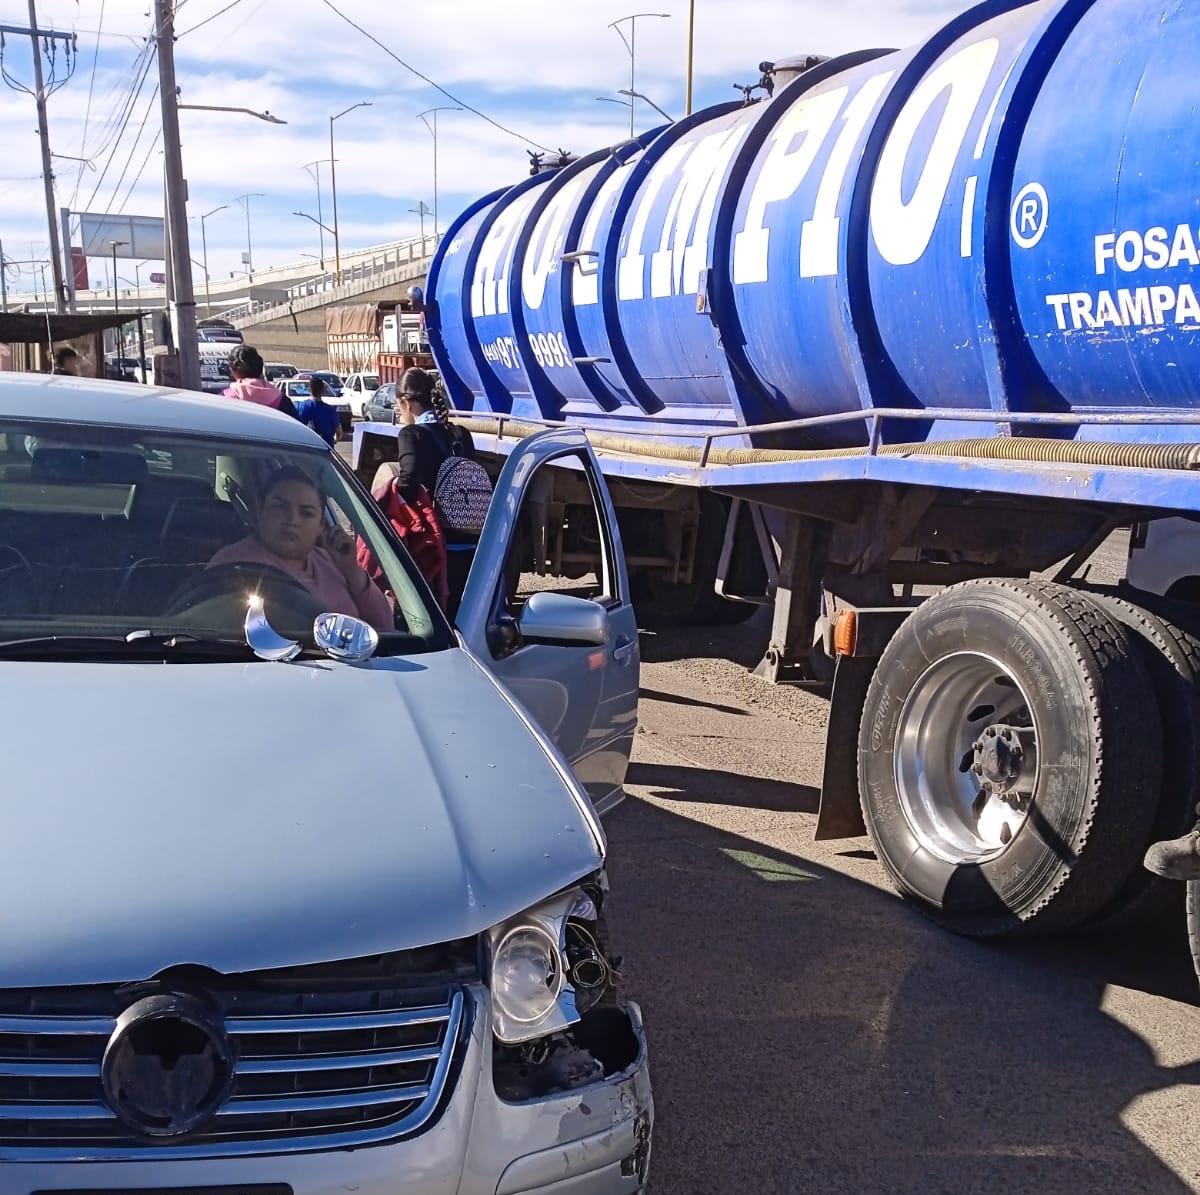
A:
[(121, 532)]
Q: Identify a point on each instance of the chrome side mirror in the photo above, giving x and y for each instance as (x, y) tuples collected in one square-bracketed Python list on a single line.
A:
[(344, 637), (563, 620), (263, 639)]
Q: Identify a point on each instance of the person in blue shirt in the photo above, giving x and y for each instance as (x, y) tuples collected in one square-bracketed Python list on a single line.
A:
[(319, 415)]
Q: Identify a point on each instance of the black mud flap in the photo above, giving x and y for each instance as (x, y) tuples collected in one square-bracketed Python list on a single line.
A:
[(841, 812)]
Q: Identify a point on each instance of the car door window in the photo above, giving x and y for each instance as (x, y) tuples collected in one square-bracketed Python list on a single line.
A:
[(552, 528)]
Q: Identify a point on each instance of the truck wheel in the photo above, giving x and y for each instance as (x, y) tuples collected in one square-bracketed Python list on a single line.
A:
[(1172, 659), (1008, 757), (1193, 923)]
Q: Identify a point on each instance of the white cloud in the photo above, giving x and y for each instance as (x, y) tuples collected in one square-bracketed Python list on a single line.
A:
[(534, 66)]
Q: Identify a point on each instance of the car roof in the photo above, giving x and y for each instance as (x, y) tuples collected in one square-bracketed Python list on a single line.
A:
[(63, 399)]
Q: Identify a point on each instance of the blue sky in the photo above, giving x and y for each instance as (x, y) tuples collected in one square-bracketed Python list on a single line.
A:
[(534, 67)]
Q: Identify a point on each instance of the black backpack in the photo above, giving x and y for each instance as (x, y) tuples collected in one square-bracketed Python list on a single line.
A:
[(462, 492)]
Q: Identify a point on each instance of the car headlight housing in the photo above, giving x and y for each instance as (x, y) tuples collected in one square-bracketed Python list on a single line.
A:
[(527, 975), (533, 992)]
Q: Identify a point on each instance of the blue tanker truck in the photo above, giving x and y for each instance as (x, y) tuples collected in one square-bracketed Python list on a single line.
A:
[(894, 349)]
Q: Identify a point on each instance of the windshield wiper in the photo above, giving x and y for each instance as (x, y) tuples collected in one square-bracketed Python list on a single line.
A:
[(173, 645)]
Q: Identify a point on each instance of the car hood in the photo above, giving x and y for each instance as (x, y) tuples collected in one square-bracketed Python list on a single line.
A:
[(248, 816)]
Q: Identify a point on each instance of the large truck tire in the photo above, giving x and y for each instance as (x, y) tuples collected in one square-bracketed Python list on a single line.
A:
[(1172, 659), (1008, 758), (1193, 923)]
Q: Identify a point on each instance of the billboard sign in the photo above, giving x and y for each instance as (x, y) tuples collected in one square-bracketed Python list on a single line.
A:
[(140, 238)]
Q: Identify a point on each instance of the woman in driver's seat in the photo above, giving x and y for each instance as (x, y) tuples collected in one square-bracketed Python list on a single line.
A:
[(292, 536)]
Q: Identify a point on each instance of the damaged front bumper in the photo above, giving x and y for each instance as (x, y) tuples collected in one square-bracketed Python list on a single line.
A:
[(587, 1137)]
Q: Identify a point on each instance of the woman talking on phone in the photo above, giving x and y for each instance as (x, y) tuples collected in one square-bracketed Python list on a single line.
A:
[(292, 535)]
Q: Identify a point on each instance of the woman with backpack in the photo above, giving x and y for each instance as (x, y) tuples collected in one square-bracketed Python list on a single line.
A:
[(439, 457)]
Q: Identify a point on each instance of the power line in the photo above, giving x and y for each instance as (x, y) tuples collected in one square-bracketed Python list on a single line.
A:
[(201, 24), (87, 112), (437, 86), (132, 151), (142, 169), (124, 123)]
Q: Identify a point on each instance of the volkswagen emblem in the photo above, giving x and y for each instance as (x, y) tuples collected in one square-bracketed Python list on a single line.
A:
[(168, 1066)]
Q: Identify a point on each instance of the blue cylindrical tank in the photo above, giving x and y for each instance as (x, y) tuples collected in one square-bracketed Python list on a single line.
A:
[(1003, 219)]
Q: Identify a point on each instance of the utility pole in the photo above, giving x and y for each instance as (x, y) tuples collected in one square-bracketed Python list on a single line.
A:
[(39, 93), (180, 259), (60, 294), (3, 282)]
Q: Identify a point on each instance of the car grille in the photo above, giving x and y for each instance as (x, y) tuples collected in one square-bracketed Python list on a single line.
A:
[(318, 1064)]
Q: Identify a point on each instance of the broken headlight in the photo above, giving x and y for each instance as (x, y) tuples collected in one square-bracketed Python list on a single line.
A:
[(546, 969)]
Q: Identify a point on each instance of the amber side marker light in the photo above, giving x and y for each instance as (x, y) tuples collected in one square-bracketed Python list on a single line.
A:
[(845, 633)]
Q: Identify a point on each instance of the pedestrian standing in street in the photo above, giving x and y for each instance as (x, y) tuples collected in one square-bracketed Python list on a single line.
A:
[(439, 456), (316, 413), (246, 365)]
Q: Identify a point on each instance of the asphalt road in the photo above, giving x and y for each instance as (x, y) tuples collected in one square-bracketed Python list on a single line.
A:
[(811, 1033)]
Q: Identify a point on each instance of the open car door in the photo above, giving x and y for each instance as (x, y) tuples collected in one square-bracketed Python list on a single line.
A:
[(561, 637)]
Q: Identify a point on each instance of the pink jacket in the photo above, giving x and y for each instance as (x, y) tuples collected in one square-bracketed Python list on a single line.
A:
[(320, 576), (255, 390)]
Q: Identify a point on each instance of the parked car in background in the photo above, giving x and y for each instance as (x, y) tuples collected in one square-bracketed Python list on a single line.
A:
[(381, 406), (274, 370), (298, 388), (333, 384), (359, 387), (122, 369), (243, 964)]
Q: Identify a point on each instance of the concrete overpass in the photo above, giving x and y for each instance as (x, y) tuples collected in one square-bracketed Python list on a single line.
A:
[(282, 311), (244, 297)]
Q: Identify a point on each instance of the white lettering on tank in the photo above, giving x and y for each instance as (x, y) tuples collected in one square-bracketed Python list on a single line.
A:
[(1157, 248), (1187, 308), (585, 278), (794, 144), (631, 269), (1183, 248), (903, 229), (489, 291), (1143, 307), (546, 244), (819, 236), (682, 254)]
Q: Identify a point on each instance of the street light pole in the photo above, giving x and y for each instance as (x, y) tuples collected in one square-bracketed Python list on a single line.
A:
[(687, 109), (646, 99), (116, 297), (337, 246), (204, 244), (316, 175), (244, 200), (630, 45), (433, 130)]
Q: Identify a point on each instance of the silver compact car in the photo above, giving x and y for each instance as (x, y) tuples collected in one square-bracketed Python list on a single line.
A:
[(304, 888)]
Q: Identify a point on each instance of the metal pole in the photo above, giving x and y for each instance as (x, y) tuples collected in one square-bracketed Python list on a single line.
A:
[(181, 257), (337, 245), (207, 292), (72, 304), (632, 67), (320, 213), (435, 190), (3, 283), (691, 49), (60, 304), (116, 297)]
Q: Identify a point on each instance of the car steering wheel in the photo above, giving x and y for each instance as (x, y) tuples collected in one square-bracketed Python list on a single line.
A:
[(290, 598)]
